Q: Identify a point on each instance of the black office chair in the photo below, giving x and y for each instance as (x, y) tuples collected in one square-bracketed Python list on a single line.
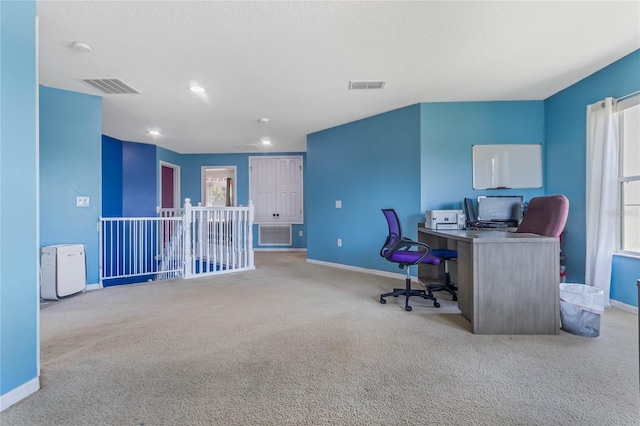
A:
[(445, 255), (398, 250)]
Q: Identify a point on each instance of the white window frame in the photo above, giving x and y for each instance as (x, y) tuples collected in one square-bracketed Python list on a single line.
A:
[(630, 102)]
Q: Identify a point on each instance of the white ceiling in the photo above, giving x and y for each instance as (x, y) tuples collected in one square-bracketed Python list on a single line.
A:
[(291, 62)]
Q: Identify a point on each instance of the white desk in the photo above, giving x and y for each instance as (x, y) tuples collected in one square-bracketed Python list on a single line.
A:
[(508, 283)]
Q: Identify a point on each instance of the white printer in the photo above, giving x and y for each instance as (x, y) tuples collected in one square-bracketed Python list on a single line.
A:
[(444, 219)]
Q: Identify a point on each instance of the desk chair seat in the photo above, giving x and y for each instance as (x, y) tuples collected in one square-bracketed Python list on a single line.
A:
[(398, 250), (448, 286)]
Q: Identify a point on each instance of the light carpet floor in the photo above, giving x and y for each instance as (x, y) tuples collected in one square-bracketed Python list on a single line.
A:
[(294, 343)]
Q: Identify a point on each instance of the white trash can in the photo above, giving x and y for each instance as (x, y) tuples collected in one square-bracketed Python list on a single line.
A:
[(580, 309)]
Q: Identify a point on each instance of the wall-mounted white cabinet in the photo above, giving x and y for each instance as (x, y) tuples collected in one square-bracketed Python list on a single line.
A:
[(275, 188)]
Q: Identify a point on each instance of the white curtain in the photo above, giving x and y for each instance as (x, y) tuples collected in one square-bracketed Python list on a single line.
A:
[(602, 193)]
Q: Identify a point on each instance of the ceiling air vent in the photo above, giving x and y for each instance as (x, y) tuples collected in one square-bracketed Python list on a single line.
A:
[(111, 86), (359, 85)]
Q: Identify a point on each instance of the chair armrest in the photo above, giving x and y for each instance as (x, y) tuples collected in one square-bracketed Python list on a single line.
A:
[(406, 244)]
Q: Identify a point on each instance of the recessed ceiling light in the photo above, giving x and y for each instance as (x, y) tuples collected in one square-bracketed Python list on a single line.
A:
[(81, 46), (196, 89), (265, 141), (154, 133)]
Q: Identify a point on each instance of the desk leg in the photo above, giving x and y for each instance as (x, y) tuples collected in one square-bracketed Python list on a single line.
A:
[(465, 281)]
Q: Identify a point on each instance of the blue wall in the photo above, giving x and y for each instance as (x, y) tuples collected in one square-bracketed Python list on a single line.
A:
[(70, 166), (129, 174), (448, 132), (139, 180), (168, 156), (565, 133), (19, 252), (111, 177), (369, 165), (625, 272)]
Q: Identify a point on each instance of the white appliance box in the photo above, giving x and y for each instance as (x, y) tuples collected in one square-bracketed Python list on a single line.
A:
[(444, 219), (64, 271)]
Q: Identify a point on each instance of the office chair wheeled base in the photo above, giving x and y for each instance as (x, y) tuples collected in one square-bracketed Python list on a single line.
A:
[(449, 288), (408, 292), (447, 285)]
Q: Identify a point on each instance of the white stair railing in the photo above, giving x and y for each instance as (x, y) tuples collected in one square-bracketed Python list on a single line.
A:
[(218, 239), (134, 246), (172, 260), (169, 212), (185, 242)]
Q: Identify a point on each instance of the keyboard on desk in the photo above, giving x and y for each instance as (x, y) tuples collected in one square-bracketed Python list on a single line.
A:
[(493, 224)]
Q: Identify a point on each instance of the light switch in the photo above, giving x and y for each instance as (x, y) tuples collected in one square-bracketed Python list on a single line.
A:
[(338, 204), (82, 201)]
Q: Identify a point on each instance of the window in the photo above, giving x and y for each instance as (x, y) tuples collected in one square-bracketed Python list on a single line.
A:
[(216, 192), (218, 186), (629, 175)]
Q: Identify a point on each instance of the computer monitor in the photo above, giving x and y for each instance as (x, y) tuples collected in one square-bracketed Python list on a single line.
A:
[(469, 211), (500, 208)]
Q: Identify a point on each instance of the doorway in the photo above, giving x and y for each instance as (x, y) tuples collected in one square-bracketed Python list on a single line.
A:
[(169, 185), (219, 186)]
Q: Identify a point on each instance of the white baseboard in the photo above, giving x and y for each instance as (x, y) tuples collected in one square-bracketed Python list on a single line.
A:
[(19, 393), (96, 286), (279, 249), (624, 307), (358, 269)]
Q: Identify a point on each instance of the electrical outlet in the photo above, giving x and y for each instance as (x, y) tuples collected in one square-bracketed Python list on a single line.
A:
[(339, 242), (299, 233), (338, 204)]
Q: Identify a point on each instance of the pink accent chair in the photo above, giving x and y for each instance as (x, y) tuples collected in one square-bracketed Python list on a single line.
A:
[(545, 215)]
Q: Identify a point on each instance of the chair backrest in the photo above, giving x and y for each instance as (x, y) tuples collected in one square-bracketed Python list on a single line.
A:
[(395, 230), (545, 215)]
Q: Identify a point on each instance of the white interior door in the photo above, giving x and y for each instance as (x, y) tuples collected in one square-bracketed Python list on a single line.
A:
[(169, 185), (289, 189), (275, 187), (262, 174)]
